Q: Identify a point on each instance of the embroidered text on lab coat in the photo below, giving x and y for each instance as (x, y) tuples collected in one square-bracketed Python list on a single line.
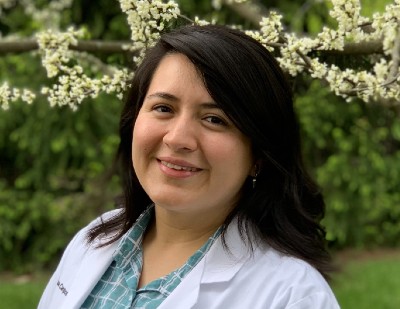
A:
[(62, 288)]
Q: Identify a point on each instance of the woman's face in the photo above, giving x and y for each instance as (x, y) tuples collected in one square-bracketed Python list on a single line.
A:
[(187, 154)]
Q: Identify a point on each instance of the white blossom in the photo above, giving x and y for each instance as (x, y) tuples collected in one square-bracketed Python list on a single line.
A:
[(11, 94), (54, 47), (202, 22), (147, 19), (73, 85)]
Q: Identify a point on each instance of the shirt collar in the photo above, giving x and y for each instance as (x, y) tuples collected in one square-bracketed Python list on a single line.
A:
[(131, 242)]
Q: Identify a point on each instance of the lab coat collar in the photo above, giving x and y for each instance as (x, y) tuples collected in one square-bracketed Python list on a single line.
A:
[(91, 269), (223, 262), (220, 264)]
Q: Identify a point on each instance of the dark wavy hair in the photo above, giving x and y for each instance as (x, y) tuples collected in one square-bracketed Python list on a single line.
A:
[(245, 80)]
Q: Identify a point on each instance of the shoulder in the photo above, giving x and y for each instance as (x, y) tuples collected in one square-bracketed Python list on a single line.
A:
[(266, 262), (270, 278), (293, 283), (76, 263), (288, 268), (104, 217)]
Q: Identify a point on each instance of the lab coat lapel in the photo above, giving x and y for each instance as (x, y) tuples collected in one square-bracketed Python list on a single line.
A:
[(222, 263), (95, 262), (218, 265), (186, 293)]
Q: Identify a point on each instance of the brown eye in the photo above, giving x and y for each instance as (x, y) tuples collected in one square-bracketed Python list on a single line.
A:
[(162, 109), (215, 120)]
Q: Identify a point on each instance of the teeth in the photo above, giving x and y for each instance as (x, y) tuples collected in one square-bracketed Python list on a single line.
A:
[(178, 167)]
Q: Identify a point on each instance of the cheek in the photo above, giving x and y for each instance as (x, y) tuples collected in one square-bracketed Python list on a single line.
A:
[(146, 139), (141, 139), (233, 155)]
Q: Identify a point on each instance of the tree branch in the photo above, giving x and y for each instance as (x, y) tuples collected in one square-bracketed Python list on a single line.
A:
[(364, 48), (395, 58), (117, 47), (91, 46)]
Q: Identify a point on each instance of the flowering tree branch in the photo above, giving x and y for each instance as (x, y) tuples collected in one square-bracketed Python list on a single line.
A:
[(297, 54), (119, 47), (91, 46), (394, 69)]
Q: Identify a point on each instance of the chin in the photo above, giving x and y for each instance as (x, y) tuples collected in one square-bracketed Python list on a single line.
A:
[(171, 204)]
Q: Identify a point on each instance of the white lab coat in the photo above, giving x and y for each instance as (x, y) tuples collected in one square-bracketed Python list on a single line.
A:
[(234, 279)]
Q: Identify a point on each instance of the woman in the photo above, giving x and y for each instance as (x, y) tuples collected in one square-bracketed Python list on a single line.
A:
[(218, 210)]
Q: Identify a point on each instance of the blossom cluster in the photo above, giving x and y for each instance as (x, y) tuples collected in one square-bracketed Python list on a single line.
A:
[(147, 19), (296, 54), (73, 85), (270, 30), (11, 94), (54, 47)]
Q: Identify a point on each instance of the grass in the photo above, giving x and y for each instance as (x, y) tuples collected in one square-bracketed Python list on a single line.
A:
[(368, 280), (22, 292)]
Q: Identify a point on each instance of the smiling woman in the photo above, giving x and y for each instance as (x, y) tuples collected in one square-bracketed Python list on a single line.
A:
[(187, 154), (218, 209)]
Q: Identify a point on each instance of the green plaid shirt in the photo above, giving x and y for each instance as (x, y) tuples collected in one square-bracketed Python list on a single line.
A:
[(117, 288)]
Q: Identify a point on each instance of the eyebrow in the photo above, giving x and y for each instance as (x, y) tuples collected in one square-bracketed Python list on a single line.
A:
[(163, 95), (171, 97)]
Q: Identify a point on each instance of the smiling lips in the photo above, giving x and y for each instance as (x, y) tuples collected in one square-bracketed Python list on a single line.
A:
[(179, 167)]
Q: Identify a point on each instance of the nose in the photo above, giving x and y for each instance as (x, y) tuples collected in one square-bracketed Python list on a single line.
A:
[(181, 134)]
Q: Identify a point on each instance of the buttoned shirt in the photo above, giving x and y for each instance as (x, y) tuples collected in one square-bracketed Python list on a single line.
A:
[(117, 289)]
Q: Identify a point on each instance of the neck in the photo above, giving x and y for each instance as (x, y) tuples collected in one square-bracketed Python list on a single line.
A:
[(172, 228)]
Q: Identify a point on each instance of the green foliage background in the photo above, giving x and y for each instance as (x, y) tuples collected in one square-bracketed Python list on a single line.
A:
[(57, 167)]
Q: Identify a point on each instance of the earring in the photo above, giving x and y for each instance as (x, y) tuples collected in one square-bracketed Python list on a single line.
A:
[(254, 182), (255, 176)]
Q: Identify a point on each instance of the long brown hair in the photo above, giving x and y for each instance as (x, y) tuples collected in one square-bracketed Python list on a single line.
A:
[(286, 206)]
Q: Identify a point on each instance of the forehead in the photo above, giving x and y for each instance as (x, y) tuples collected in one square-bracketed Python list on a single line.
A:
[(178, 75), (178, 65)]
